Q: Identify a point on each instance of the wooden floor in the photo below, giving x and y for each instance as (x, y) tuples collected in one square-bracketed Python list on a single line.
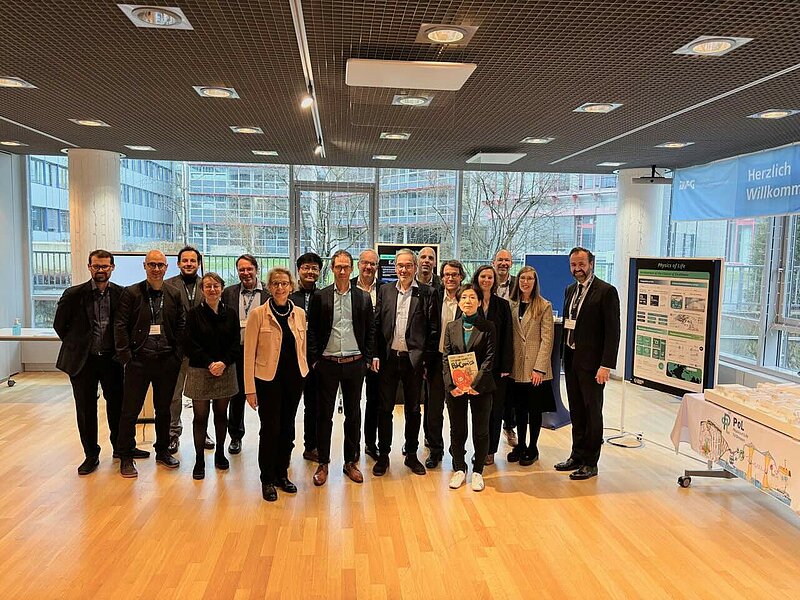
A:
[(533, 533)]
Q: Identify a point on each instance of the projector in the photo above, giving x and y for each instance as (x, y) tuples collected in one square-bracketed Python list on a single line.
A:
[(654, 178)]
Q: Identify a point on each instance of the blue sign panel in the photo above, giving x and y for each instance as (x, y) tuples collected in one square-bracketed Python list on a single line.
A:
[(756, 185)]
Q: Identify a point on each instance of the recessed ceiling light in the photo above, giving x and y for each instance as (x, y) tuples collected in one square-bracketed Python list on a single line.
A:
[(245, 129), (412, 100), (610, 164), (141, 148), (12, 143), (265, 152), (15, 82), (774, 113), (445, 34), (90, 122), (537, 140), (158, 17), (215, 91), (307, 101), (495, 158), (384, 156), (598, 107), (709, 45), (388, 135), (674, 144)]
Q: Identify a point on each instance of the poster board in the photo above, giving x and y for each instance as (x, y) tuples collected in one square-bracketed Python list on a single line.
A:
[(672, 341), (386, 252), (554, 277)]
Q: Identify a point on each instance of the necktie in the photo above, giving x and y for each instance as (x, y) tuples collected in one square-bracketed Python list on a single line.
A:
[(573, 314)]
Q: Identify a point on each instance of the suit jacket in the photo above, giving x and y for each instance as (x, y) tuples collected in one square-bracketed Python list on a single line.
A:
[(481, 342), (533, 343), (73, 324), (232, 294), (436, 283), (320, 322), (596, 329), (132, 320), (422, 330), (177, 283), (512, 279), (262, 344), (499, 313), (440, 298), (299, 297), (378, 285)]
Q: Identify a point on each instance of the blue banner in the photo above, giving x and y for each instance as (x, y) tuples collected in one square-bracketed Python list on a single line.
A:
[(756, 185)]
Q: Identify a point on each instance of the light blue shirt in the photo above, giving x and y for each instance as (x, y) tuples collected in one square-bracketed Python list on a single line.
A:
[(343, 340)]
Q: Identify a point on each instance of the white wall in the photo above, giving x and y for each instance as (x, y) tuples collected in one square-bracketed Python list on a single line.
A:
[(13, 257)]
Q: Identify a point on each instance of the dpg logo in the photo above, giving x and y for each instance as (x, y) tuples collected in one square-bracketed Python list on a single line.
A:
[(687, 184), (726, 422)]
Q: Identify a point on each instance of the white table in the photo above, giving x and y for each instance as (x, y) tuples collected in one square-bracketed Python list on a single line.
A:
[(29, 334), (741, 446)]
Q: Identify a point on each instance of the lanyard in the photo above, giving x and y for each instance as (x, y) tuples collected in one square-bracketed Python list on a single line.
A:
[(153, 312), (249, 303), (194, 291)]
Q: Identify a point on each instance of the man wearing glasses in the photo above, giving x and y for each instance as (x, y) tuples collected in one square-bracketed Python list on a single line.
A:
[(84, 322), (309, 267), (147, 330)]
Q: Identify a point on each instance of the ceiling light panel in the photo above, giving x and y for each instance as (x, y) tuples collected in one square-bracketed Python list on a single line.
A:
[(246, 129), (90, 122), (418, 100), (15, 82), (214, 91), (674, 145), (460, 35), (495, 158), (405, 74), (384, 157), (265, 152), (537, 140), (709, 45), (141, 148), (390, 135), (156, 17), (12, 143), (598, 107), (774, 113)]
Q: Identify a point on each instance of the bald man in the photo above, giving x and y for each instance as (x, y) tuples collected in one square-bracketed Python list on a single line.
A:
[(427, 269), (148, 327)]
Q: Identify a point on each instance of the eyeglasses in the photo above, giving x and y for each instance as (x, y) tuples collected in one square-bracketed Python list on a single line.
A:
[(312, 268), (101, 267), (367, 263), (404, 267), (155, 265), (451, 275), (342, 267), (527, 278), (279, 284), (212, 286)]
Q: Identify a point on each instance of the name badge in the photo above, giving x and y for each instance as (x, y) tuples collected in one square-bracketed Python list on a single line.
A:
[(155, 329), (243, 323), (569, 323)]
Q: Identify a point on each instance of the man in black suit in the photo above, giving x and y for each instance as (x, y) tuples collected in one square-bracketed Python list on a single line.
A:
[(369, 282), (505, 284), (147, 331), (85, 323), (309, 267), (187, 283), (340, 347), (407, 335), (589, 345), (427, 269), (452, 276), (242, 297)]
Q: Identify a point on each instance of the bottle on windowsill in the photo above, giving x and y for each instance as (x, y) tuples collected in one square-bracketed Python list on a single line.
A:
[(16, 328)]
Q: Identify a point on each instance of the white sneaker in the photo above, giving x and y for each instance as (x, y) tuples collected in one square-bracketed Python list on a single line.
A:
[(477, 482), (457, 480)]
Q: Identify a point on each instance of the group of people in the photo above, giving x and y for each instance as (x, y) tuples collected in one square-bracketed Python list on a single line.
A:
[(269, 344)]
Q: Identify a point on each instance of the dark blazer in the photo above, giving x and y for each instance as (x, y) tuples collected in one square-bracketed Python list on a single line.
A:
[(132, 320), (320, 322), (481, 342), (597, 327), (436, 283), (177, 283), (73, 324), (232, 294), (499, 313), (299, 297), (422, 331), (211, 337)]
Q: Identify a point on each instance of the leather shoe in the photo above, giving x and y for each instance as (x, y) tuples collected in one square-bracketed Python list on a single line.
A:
[(371, 451), (433, 461), (286, 485), (137, 453), (321, 475), (381, 466), (166, 459), (412, 462), (209, 444), (312, 455), (199, 471), (268, 492), (528, 459), (174, 444), (515, 455), (235, 446), (221, 463), (127, 468), (568, 465), (585, 472), (351, 470), (489, 460), (89, 465)]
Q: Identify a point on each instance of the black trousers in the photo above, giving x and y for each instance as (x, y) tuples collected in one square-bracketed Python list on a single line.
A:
[(351, 377), (162, 371), (498, 410), (510, 416), (103, 370), (236, 405), (481, 406), (394, 368), (526, 399), (434, 407), (310, 410), (277, 407), (371, 406), (585, 398)]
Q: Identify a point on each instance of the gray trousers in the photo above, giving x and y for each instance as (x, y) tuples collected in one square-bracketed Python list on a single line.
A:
[(175, 425)]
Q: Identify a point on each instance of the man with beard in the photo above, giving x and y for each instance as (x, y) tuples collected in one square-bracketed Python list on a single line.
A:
[(589, 346), (427, 269), (309, 267), (85, 323), (187, 283)]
